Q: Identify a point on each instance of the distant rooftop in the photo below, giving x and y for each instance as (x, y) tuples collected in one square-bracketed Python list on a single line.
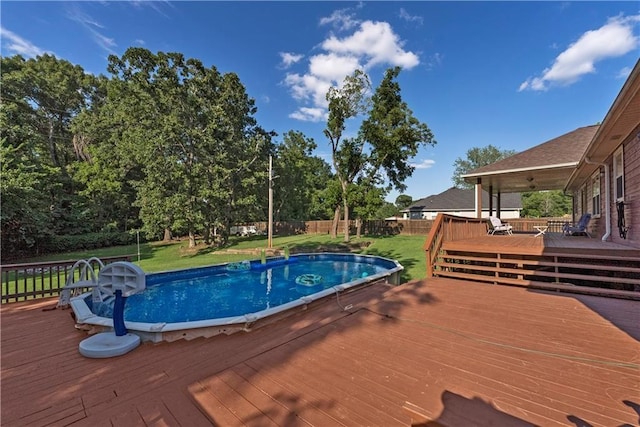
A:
[(458, 199)]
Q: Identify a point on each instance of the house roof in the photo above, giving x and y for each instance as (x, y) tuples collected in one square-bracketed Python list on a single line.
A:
[(621, 123), (457, 199), (547, 166)]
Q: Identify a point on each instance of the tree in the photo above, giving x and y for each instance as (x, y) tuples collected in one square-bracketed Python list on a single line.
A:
[(476, 158), (387, 139), (194, 132), (403, 201), (542, 204), (300, 178), (345, 103), (387, 210), (366, 200), (40, 98)]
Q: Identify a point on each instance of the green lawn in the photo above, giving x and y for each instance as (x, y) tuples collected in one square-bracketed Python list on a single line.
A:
[(158, 256)]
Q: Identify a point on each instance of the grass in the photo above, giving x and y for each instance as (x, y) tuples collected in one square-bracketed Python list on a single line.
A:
[(159, 256)]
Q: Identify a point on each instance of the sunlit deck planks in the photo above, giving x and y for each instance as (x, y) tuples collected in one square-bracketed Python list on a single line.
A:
[(461, 353)]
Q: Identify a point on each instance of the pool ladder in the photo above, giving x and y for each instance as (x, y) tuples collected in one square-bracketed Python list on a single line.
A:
[(88, 278)]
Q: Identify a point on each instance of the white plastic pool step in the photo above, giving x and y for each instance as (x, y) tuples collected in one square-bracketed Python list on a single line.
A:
[(108, 344)]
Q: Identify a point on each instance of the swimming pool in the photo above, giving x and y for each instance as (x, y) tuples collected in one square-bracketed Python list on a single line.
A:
[(225, 298)]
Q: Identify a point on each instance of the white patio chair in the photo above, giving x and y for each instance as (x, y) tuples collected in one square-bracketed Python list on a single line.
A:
[(497, 226)]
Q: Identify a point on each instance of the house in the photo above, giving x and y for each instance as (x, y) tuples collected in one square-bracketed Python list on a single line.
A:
[(461, 202), (598, 165), (606, 181)]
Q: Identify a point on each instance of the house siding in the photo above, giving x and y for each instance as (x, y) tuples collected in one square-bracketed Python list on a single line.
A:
[(631, 157), (582, 198)]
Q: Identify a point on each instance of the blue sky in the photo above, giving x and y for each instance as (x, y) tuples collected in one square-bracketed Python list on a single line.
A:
[(510, 74)]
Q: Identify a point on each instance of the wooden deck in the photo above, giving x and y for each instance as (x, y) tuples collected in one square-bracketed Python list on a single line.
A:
[(550, 242), (436, 352)]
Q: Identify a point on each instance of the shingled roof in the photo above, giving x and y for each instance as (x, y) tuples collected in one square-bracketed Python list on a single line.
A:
[(457, 199), (547, 166)]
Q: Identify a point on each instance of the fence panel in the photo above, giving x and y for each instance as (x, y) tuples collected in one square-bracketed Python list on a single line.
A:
[(21, 282)]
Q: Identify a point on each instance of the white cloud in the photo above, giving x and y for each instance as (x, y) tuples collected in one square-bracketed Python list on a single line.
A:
[(425, 164), (288, 58), (309, 114), (374, 42), (308, 88), (16, 44), (341, 20), (434, 61), (333, 67), (403, 14), (615, 38), (91, 25), (369, 45)]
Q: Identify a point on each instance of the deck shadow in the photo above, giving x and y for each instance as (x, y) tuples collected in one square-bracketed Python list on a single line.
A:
[(459, 410)]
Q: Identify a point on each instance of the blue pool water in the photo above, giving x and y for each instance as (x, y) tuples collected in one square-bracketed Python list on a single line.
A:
[(239, 289)]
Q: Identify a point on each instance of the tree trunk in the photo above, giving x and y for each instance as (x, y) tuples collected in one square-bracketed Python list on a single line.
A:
[(167, 235), (346, 220), (52, 146), (192, 239), (334, 224), (358, 227)]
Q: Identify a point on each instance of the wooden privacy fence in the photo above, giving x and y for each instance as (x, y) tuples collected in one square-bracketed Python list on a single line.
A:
[(370, 227), (21, 282), (415, 227)]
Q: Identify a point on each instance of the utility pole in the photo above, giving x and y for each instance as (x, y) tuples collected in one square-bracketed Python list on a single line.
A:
[(270, 227)]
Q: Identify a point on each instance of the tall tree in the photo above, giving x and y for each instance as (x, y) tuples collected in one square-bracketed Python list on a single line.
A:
[(346, 154), (40, 96), (476, 158), (387, 139), (195, 134)]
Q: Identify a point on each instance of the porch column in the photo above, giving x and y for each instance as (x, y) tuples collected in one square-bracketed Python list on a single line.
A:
[(499, 204), (479, 198), (491, 200)]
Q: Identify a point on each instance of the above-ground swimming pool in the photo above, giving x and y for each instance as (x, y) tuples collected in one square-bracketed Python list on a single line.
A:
[(228, 297)]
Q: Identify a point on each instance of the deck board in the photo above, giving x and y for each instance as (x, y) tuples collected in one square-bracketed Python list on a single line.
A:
[(462, 353)]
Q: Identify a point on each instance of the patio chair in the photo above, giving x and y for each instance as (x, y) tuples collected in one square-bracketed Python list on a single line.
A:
[(497, 226), (579, 229)]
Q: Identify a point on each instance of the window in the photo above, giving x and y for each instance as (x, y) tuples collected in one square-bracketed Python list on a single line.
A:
[(595, 194), (618, 175)]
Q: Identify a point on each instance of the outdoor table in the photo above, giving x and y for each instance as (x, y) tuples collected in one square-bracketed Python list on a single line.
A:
[(542, 229)]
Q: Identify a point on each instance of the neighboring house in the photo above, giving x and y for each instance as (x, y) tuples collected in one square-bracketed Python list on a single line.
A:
[(456, 201), (599, 165)]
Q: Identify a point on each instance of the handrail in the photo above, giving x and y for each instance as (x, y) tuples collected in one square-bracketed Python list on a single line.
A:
[(447, 228), (433, 243), (20, 282)]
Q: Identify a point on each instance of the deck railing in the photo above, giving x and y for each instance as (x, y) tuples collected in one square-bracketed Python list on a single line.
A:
[(447, 228), (21, 282)]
